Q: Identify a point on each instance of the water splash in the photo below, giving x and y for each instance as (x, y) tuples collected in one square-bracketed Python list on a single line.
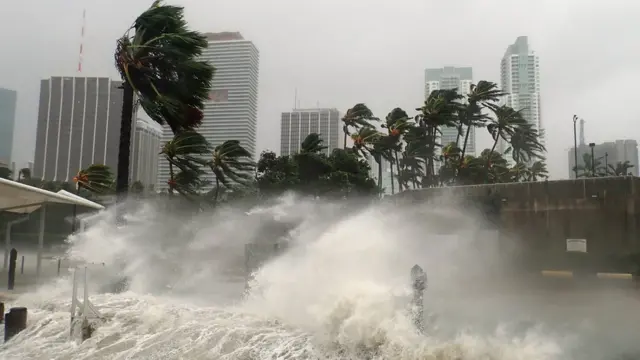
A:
[(340, 291)]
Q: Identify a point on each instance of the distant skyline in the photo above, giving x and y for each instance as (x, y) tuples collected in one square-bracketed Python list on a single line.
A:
[(8, 102), (341, 65)]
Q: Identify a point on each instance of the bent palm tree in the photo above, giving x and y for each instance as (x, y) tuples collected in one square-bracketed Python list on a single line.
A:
[(186, 152), (538, 170), (96, 178), (503, 126), (157, 60), (621, 168), (231, 163), (313, 143), (357, 117)]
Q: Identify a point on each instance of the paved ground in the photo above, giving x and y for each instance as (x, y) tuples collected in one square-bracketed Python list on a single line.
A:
[(26, 278)]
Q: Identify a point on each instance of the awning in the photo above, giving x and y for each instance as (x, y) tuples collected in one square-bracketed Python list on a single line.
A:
[(19, 198)]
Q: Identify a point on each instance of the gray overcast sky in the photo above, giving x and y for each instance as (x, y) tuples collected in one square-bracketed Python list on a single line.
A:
[(340, 52)]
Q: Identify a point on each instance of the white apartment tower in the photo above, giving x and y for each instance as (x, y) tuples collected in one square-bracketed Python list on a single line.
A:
[(448, 78), (520, 80), (145, 149), (298, 123), (232, 110)]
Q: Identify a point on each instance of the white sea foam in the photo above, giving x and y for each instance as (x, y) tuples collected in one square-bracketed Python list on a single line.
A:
[(340, 291)]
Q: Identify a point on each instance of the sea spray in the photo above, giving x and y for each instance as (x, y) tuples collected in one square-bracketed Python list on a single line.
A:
[(340, 291)]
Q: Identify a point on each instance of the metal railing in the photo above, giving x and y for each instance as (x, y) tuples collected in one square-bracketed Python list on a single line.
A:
[(81, 311)]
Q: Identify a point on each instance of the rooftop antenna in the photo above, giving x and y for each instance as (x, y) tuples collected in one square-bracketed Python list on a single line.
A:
[(581, 132), (84, 22)]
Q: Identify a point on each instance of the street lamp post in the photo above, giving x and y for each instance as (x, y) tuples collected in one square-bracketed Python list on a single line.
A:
[(575, 146), (593, 160), (606, 163)]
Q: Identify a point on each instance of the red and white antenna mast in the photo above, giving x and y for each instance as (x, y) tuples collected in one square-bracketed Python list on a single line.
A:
[(84, 22)]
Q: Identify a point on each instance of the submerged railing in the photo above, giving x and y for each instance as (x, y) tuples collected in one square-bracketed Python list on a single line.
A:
[(82, 311)]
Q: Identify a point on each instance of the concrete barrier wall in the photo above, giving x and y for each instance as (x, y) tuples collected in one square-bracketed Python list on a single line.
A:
[(540, 216)]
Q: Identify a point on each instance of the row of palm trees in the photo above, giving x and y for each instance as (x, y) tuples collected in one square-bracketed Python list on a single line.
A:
[(411, 144), (590, 164)]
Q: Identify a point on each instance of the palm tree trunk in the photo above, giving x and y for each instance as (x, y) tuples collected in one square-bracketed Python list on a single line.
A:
[(344, 129), (464, 149), (171, 181), (380, 176), (215, 198), (490, 158), (124, 149), (393, 186), (395, 154)]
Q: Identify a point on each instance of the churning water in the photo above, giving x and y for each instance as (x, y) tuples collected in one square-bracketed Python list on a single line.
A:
[(339, 291)]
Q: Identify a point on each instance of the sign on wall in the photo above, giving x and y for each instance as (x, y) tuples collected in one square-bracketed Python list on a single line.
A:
[(577, 245)]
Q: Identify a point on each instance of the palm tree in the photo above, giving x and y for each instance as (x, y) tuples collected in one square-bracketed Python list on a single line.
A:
[(96, 178), (621, 168), (586, 169), (471, 114), (524, 144), (397, 123), (538, 170), (185, 152), (312, 144), (357, 117), (231, 163), (439, 110), (519, 171), (502, 126), (157, 60)]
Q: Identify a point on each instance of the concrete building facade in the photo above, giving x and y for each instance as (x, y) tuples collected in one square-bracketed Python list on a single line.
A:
[(78, 125), (295, 125), (145, 149), (8, 100)]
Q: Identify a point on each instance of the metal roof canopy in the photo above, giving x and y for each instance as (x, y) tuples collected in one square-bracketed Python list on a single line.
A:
[(20, 198)]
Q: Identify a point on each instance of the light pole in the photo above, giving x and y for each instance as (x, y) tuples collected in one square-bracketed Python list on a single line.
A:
[(593, 160), (606, 163), (575, 146)]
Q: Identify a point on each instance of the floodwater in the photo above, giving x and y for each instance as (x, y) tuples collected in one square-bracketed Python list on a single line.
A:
[(340, 291)]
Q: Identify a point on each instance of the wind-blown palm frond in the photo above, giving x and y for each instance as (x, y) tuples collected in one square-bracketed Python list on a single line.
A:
[(95, 178), (158, 58), (357, 117), (231, 162), (312, 144)]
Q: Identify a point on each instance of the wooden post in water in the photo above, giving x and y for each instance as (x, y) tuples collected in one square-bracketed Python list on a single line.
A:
[(418, 284), (22, 265), (14, 322), (1, 312), (13, 256)]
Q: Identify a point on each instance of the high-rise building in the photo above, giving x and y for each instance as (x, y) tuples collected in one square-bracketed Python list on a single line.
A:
[(606, 155), (449, 78), (145, 147), (232, 110), (520, 80), (8, 99), (298, 123), (78, 125)]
